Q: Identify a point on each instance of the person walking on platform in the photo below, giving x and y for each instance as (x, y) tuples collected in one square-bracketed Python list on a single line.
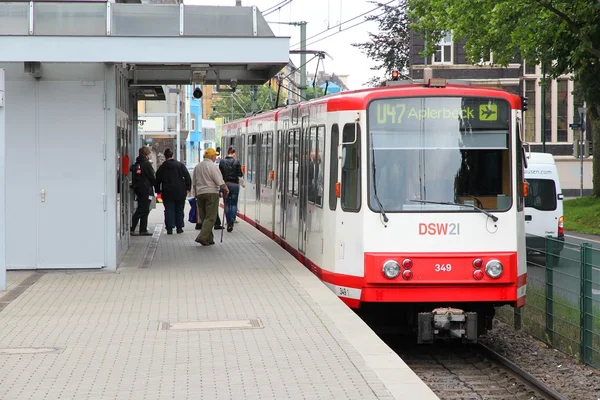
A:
[(207, 181), (173, 181), (143, 187), (231, 171)]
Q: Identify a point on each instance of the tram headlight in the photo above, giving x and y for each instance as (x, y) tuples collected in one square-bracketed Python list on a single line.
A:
[(494, 269), (391, 269)]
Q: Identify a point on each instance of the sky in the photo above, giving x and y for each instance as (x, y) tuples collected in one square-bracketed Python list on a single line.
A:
[(321, 14)]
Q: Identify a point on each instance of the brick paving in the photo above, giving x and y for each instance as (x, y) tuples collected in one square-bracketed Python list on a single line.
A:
[(101, 335)]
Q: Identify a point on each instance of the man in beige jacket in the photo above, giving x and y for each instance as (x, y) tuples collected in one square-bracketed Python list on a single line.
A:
[(207, 180)]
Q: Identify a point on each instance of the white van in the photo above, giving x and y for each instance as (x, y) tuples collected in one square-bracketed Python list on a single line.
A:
[(544, 202)]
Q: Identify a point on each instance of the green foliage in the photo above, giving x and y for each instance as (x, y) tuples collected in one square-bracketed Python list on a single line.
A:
[(314, 93), (582, 215), (240, 105), (390, 47), (563, 35)]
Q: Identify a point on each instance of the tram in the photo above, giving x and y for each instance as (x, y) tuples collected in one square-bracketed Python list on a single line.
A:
[(405, 200)]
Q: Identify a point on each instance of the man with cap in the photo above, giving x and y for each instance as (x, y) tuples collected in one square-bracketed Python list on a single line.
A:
[(207, 181)]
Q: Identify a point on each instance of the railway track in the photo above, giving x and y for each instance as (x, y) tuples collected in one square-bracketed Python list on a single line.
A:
[(459, 371)]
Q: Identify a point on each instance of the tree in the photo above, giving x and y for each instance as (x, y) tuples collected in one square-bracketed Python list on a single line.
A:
[(314, 93), (390, 47), (561, 35), (239, 104)]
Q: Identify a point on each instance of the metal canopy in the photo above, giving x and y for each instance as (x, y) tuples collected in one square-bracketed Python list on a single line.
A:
[(160, 43)]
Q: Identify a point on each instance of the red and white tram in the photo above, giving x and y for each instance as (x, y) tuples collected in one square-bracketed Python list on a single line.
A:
[(405, 200)]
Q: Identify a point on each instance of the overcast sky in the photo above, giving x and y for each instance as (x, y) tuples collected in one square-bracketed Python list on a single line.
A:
[(320, 14)]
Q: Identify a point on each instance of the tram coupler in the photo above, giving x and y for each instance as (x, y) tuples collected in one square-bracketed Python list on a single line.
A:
[(447, 323)]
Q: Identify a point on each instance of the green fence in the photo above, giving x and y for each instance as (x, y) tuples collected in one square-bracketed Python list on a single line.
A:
[(563, 298)]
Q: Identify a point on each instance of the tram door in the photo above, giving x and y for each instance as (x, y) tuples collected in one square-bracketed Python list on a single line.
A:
[(303, 185), (282, 178)]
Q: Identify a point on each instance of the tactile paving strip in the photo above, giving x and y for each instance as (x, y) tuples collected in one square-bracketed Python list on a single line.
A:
[(151, 249)]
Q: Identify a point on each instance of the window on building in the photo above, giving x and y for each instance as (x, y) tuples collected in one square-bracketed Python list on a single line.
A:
[(351, 168), (529, 115), (529, 68), (486, 59), (562, 109), (443, 53), (333, 166), (193, 122), (547, 117)]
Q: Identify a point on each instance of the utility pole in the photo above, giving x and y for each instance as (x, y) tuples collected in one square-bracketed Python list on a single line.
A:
[(254, 99), (303, 60)]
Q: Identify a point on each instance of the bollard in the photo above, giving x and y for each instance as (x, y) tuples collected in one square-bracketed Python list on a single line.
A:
[(585, 305), (549, 291)]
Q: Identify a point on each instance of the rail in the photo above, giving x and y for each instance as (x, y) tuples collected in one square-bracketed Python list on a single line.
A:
[(533, 381)]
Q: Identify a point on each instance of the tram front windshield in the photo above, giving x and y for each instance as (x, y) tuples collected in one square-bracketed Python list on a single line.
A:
[(439, 149)]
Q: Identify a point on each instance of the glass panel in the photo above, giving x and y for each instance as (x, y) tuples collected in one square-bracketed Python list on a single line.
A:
[(217, 21), (333, 166), (351, 168), (562, 110), (312, 166), (439, 149), (77, 19), (145, 20), (542, 194), (14, 18), (319, 163), (548, 113), (529, 115)]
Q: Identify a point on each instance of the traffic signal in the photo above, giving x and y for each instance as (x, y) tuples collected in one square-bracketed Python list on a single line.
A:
[(395, 75), (524, 103)]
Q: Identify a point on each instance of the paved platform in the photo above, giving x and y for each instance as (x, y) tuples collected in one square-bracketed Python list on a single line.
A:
[(238, 320)]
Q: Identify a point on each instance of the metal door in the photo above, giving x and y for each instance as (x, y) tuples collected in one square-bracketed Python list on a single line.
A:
[(71, 176), (258, 172), (303, 185), (282, 178)]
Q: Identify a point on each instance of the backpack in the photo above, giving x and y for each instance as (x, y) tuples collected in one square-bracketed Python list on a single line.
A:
[(136, 173)]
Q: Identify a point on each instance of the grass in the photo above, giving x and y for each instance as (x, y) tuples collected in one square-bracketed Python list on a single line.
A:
[(583, 215)]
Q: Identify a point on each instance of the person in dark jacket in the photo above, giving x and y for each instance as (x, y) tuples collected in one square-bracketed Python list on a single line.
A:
[(231, 171), (173, 181), (143, 183)]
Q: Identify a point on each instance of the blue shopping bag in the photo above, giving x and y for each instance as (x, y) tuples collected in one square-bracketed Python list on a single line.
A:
[(193, 217)]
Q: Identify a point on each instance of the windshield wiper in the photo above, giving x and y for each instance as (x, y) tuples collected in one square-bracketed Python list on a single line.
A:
[(385, 218), (447, 203)]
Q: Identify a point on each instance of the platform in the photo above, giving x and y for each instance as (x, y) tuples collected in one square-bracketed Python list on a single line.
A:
[(238, 320)]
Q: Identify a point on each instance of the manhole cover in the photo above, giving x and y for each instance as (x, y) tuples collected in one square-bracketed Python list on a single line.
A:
[(211, 325), (29, 350)]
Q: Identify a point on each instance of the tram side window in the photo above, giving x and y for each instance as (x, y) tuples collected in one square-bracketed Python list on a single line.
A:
[(333, 166), (316, 165), (351, 169), (263, 157), (295, 161), (268, 162), (312, 165), (280, 153), (251, 160), (290, 160)]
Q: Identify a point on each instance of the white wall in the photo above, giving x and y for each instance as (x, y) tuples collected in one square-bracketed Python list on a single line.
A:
[(2, 183), (569, 173)]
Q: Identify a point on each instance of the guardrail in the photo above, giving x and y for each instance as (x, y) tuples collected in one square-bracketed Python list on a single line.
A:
[(563, 298)]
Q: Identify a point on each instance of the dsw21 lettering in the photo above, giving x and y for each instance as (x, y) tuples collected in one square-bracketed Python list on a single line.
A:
[(439, 229)]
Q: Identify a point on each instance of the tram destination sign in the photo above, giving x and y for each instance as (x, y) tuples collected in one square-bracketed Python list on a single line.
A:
[(475, 113)]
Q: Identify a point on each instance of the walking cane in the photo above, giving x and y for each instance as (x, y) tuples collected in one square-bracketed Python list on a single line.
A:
[(223, 220)]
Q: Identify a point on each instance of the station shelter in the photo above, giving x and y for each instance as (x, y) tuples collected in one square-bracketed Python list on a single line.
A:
[(71, 74)]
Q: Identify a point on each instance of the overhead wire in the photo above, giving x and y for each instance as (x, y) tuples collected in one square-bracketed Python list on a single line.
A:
[(340, 31), (344, 22), (285, 3)]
